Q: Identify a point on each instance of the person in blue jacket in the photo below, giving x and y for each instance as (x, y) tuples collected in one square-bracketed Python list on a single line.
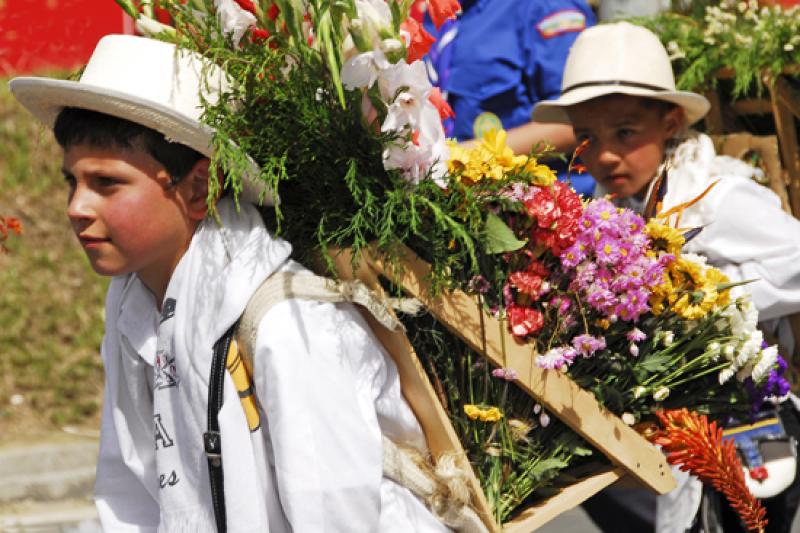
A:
[(500, 57)]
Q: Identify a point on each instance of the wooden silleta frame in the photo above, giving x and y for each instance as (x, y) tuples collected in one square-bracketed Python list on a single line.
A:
[(628, 451)]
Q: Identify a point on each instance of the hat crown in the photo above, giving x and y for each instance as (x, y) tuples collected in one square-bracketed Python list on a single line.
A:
[(154, 71), (631, 54)]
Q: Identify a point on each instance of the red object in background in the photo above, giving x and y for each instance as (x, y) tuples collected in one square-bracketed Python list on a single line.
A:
[(45, 34)]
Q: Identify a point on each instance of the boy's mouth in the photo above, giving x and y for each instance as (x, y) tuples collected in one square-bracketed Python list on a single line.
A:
[(89, 240)]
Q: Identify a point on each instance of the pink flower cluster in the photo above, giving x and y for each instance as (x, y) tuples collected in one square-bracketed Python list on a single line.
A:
[(613, 273)]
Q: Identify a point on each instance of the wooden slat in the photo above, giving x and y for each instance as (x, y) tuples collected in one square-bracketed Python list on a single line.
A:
[(787, 135), (752, 106), (715, 123), (555, 390), (570, 497)]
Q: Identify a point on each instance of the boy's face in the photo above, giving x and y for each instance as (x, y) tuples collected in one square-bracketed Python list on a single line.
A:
[(126, 215), (626, 140)]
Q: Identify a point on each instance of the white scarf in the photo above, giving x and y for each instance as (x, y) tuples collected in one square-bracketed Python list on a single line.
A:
[(207, 293)]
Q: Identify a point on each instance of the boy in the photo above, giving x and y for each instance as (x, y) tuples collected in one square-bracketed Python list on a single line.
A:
[(619, 94), (136, 159)]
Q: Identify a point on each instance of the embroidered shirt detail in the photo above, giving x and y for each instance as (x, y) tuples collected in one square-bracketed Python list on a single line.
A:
[(560, 22)]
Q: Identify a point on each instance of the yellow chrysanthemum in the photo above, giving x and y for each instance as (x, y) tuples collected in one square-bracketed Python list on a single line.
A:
[(664, 237), (495, 142), (492, 414), (541, 175)]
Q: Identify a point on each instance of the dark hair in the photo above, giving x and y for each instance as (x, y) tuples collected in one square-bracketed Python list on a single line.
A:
[(75, 126), (663, 106)]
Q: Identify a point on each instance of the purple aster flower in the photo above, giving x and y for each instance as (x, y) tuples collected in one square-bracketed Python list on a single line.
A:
[(507, 374), (478, 284), (556, 358), (586, 345), (574, 254), (636, 335), (633, 304), (607, 250), (600, 298)]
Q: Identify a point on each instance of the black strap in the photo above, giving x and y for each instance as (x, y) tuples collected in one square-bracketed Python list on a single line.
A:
[(211, 438)]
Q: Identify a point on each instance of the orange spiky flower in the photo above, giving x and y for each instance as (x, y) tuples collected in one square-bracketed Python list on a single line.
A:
[(7, 225), (573, 165), (696, 446)]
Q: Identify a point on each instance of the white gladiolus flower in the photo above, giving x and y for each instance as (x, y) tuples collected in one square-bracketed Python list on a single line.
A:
[(235, 21), (661, 394), (725, 375), (639, 391), (628, 418), (361, 71), (768, 358), (669, 338)]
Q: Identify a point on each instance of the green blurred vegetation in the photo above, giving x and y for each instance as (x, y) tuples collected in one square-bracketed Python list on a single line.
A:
[(51, 302)]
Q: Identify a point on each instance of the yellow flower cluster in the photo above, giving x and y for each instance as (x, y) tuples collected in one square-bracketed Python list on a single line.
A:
[(492, 159), (665, 238), (492, 414), (690, 289)]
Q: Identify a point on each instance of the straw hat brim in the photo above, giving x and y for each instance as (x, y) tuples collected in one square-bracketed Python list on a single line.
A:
[(695, 105), (46, 97)]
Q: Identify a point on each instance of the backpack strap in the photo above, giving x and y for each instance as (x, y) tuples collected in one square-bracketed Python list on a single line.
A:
[(211, 438), (282, 286), (443, 489)]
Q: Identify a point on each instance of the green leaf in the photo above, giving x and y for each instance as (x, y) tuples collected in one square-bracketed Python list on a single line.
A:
[(499, 237), (545, 465), (655, 363)]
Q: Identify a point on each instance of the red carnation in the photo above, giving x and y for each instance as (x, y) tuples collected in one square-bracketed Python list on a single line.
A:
[(523, 320), (527, 283)]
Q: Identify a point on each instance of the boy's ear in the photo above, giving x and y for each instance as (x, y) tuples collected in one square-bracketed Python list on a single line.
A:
[(673, 121), (196, 182)]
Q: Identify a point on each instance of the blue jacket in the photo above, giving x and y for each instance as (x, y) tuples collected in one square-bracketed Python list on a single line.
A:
[(500, 57)]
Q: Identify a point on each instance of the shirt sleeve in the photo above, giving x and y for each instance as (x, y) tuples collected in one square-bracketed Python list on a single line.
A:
[(753, 238), (318, 374), (123, 503), (550, 29)]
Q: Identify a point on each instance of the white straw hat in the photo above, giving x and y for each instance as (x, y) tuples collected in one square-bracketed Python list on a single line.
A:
[(618, 58), (142, 80)]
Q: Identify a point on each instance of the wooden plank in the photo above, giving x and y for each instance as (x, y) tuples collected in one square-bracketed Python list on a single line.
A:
[(715, 124), (555, 390), (785, 127), (740, 145), (752, 106), (570, 497)]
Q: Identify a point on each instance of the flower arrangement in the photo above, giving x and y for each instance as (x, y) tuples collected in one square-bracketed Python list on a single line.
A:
[(332, 102), (750, 37)]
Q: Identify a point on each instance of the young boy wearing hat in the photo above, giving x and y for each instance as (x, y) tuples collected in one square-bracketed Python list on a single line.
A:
[(618, 92), (136, 160)]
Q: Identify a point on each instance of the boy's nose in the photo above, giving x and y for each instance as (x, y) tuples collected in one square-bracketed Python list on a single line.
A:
[(79, 205), (607, 156)]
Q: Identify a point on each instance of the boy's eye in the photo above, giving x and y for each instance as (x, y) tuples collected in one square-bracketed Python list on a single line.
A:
[(105, 181), (70, 180), (625, 133)]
